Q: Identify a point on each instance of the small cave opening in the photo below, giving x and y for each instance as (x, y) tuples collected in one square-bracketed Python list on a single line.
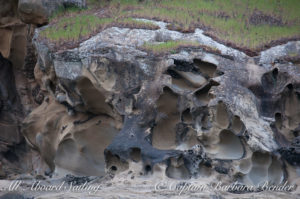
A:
[(148, 168), (188, 76), (206, 68), (275, 73), (203, 94), (186, 80), (11, 156), (52, 86), (113, 168), (114, 163), (296, 133), (186, 116), (290, 87), (185, 66), (278, 116)]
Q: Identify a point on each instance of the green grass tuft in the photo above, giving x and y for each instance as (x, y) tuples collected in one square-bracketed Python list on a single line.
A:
[(173, 46), (74, 28)]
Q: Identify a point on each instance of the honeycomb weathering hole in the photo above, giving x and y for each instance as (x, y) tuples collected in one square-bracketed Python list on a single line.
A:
[(178, 172), (84, 150), (114, 163), (93, 99), (167, 102), (278, 120), (208, 69), (237, 125), (148, 168), (290, 86), (222, 117), (275, 172), (187, 116), (186, 80), (264, 168), (274, 81), (164, 133), (203, 94), (113, 168), (230, 146), (177, 169), (275, 73)]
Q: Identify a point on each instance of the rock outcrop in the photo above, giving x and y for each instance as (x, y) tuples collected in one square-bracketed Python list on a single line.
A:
[(194, 111), (109, 106), (19, 93), (10, 106)]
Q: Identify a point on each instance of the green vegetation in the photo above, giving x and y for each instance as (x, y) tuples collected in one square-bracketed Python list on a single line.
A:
[(248, 24), (74, 28), (169, 46), (63, 11), (173, 46)]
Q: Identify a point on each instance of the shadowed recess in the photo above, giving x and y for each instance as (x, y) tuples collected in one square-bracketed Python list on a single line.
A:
[(230, 146)]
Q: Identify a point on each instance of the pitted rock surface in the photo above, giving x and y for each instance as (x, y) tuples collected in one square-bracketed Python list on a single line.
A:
[(194, 111)]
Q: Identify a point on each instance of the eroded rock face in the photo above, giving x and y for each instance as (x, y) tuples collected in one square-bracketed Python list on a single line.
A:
[(14, 17), (38, 12), (8, 12), (109, 105), (14, 158), (19, 94), (10, 106), (75, 143)]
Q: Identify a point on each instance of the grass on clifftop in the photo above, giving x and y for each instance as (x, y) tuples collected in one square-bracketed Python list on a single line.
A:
[(169, 46), (78, 27), (249, 24), (173, 46), (74, 28)]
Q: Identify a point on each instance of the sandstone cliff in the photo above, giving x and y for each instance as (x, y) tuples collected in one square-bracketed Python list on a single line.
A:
[(108, 106)]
